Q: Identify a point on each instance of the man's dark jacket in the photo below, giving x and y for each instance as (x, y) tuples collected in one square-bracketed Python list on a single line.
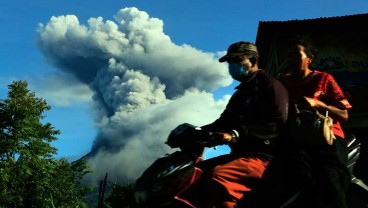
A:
[(257, 111)]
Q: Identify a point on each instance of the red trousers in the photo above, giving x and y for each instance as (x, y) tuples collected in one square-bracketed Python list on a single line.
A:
[(234, 176)]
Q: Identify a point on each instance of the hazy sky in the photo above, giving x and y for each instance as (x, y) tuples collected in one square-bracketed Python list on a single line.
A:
[(119, 75)]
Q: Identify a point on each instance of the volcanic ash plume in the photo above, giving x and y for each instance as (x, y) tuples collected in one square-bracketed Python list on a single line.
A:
[(144, 85)]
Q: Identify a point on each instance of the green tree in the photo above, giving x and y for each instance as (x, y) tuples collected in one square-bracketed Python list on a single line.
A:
[(121, 196), (29, 175)]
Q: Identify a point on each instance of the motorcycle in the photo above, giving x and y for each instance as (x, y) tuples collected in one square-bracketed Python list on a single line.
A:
[(358, 190), (174, 180), (357, 195), (167, 181)]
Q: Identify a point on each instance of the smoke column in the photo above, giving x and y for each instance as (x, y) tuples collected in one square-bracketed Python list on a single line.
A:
[(143, 85)]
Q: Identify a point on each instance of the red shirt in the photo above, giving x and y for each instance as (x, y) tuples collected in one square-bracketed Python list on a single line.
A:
[(321, 86)]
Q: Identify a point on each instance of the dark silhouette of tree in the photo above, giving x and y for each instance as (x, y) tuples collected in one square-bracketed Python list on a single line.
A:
[(121, 196)]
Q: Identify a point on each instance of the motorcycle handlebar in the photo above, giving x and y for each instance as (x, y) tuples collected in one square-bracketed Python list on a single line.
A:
[(186, 135)]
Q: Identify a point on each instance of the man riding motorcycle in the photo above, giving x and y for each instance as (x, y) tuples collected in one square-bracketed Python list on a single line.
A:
[(251, 125)]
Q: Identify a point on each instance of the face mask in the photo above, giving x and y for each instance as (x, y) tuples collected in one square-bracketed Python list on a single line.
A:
[(236, 71)]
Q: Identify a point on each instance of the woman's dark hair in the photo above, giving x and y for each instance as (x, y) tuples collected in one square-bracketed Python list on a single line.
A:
[(289, 49), (309, 48)]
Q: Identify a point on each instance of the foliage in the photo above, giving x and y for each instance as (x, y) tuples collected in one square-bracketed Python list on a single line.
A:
[(29, 175), (121, 196)]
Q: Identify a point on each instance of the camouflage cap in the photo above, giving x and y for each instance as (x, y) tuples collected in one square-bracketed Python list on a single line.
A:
[(240, 48)]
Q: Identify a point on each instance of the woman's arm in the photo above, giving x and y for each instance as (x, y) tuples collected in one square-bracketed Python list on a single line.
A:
[(334, 112)]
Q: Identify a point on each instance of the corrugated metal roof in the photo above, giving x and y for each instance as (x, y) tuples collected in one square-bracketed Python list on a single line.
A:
[(270, 32), (318, 19)]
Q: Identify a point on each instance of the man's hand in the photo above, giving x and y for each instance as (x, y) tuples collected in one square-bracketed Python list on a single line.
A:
[(219, 138), (223, 136), (227, 137)]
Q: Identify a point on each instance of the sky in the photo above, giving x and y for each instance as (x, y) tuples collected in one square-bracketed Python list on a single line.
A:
[(119, 75)]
